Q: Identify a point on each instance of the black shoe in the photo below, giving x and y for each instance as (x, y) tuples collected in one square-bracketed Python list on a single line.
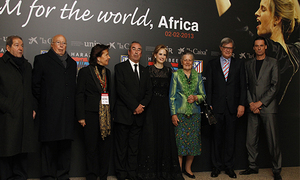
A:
[(248, 171), (215, 172), (189, 175), (277, 176), (230, 172)]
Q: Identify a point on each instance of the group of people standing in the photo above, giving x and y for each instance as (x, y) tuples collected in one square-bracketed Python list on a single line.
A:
[(155, 115)]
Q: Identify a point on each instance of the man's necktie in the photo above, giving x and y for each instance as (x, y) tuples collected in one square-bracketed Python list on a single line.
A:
[(226, 69), (136, 72)]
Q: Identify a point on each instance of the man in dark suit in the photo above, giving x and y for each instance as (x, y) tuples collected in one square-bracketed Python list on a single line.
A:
[(17, 136), (133, 87), (226, 94), (54, 85), (262, 75)]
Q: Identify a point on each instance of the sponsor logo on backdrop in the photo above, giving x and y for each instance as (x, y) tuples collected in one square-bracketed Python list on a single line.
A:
[(198, 65), (91, 43), (3, 38), (2, 51), (112, 45), (76, 43), (198, 51), (123, 58), (181, 50), (195, 51), (33, 40), (44, 51), (36, 40), (81, 59), (250, 56)]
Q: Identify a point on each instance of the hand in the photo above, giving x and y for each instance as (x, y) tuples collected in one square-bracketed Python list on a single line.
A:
[(257, 111), (82, 122), (139, 109), (192, 98), (33, 114), (175, 120), (255, 106), (241, 111)]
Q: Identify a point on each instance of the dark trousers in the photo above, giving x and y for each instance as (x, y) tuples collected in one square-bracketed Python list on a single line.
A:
[(126, 149), (270, 125), (97, 149), (14, 167), (56, 159), (223, 143)]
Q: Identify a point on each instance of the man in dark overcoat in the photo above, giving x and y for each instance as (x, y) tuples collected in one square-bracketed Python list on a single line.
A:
[(54, 85), (16, 111)]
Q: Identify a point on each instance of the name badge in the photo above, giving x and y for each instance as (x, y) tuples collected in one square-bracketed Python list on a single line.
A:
[(104, 98)]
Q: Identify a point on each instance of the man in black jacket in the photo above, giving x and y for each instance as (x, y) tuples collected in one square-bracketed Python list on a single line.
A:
[(17, 136), (226, 94), (134, 91), (54, 85)]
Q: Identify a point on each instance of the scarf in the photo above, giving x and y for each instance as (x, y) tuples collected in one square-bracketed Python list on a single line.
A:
[(188, 86), (104, 109)]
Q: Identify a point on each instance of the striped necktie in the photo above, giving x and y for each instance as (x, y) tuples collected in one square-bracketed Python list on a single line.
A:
[(226, 69)]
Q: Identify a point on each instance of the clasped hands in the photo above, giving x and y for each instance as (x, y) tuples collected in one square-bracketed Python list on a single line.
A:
[(192, 98), (255, 107), (139, 109)]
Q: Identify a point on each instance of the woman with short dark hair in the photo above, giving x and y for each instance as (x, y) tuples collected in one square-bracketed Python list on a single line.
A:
[(93, 111)]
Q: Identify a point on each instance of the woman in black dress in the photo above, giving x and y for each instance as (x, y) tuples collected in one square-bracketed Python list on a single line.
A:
[(93, 111), (158, 158)]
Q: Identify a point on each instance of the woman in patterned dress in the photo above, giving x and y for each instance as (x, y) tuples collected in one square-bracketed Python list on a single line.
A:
[(186, 93)]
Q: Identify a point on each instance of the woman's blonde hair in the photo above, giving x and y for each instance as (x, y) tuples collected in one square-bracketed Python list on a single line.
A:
[(287, 11)]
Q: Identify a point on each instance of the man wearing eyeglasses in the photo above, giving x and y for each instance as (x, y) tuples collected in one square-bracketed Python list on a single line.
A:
[(226, 94), (54, 84)]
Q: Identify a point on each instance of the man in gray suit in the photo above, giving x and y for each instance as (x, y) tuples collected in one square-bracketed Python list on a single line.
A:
[(262, 76)]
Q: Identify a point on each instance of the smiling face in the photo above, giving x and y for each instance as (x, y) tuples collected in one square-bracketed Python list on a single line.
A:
[(161, 56), (187, 62), (16, 49), (104, 59), (226, 50), (59, 44), (135, 52), (264, 19)]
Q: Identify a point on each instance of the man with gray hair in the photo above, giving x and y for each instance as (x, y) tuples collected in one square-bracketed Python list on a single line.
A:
[(226, 94)]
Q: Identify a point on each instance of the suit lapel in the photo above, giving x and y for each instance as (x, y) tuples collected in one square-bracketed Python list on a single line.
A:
[(96, 80), (220, 69), (132, 74)]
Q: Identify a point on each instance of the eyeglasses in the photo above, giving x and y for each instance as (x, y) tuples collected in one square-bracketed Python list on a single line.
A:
[(228, 48), (60, 43)]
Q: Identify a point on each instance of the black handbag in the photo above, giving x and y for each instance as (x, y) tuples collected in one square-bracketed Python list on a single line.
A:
[(207, 115)]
